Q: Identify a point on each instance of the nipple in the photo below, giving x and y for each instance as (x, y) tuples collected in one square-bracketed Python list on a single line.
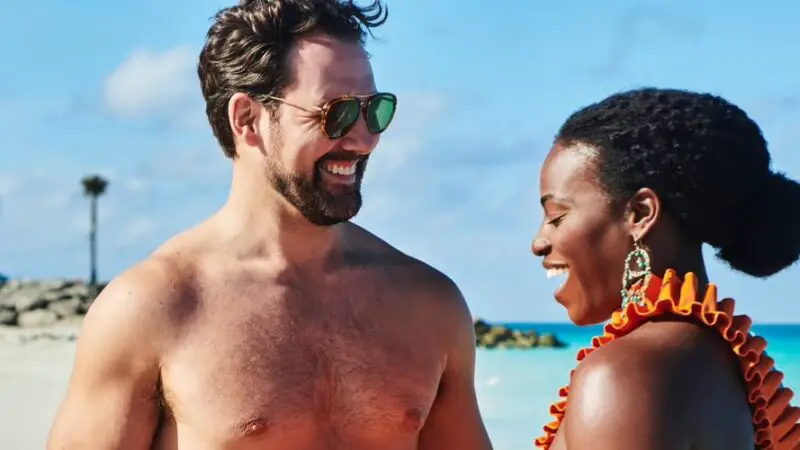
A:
[(254, 427), (413, 421)]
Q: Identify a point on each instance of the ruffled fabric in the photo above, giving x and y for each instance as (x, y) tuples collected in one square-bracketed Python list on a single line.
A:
[(775, 421)]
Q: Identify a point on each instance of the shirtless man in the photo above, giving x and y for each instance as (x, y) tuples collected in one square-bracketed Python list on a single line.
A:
[(277, 324)]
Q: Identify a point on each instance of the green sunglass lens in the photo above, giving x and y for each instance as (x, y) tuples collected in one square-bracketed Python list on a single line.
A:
[(380, 112), (341, 117)]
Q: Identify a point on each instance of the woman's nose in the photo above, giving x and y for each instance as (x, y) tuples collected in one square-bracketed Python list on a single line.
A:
[(540, 246)]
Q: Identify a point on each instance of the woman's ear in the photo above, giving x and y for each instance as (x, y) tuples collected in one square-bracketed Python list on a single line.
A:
[(644, 210)]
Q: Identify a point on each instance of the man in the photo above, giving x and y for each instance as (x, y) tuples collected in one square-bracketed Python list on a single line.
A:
[(276, 323)]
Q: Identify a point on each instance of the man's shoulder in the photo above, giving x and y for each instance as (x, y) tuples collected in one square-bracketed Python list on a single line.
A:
[(154, 293), (402, 266), (435, 290)]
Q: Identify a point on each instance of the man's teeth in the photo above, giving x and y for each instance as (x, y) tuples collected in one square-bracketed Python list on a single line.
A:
[(341, 169), (554, 272)]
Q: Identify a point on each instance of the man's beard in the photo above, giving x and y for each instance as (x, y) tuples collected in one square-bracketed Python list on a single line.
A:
[(312, 198)]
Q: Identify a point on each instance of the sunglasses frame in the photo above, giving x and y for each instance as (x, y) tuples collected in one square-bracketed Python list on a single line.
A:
[(322, 111)]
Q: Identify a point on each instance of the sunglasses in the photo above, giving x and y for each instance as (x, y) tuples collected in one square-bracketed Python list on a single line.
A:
[(339, 115)]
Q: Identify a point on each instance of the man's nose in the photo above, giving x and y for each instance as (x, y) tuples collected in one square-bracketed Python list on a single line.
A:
[(360, 139)]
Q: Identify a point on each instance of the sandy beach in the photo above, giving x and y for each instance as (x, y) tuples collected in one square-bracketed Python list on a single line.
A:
[(34, 373)]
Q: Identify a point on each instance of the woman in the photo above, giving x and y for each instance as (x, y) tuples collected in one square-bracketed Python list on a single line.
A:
[(631, 189)]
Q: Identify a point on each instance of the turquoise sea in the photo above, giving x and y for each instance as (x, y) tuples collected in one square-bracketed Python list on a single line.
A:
[(515, 387)]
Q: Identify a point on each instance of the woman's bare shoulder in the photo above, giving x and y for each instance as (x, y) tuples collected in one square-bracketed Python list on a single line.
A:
[(657, 385)]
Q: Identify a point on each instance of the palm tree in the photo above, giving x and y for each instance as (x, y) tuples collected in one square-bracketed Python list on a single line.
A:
[(93, 187)]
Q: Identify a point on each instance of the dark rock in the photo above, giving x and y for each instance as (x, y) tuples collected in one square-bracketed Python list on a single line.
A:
[(8, 317), (500, 336), (37, 318), (37, 303), (550, 340), (65, 308), (481, 327)]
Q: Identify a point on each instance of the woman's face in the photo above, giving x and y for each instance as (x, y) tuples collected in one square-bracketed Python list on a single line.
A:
[(582, 237)]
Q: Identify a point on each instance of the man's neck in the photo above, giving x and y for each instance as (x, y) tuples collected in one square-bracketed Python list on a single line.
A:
[(257, 222)]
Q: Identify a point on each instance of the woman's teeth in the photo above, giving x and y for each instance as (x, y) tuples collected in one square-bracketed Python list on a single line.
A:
[(348, 168), (554, 272)]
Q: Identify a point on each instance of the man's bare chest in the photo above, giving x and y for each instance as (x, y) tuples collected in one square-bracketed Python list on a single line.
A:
[(304, 369)]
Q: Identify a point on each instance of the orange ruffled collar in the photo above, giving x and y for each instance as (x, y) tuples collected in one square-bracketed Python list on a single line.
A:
[(775, 421)]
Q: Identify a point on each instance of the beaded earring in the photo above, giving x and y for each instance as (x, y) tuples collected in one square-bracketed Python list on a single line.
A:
[(636, 276)]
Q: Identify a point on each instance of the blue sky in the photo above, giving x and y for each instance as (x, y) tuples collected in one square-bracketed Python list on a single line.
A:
[(110, 87)]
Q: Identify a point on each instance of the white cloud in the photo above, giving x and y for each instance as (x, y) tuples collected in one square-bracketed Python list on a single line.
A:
[(415, 110), (40, 215), (7, 184), (137, 230), (204, 163), (136, 184), (151, 83), (20, 112)]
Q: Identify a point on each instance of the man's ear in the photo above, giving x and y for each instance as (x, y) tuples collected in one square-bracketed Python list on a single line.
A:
[(243, 115), (644, 210)]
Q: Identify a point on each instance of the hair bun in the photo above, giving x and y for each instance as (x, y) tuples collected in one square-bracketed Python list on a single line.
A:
[(768, 238)]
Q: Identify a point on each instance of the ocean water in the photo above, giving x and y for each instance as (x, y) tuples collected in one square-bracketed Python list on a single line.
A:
[(515, 387)]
